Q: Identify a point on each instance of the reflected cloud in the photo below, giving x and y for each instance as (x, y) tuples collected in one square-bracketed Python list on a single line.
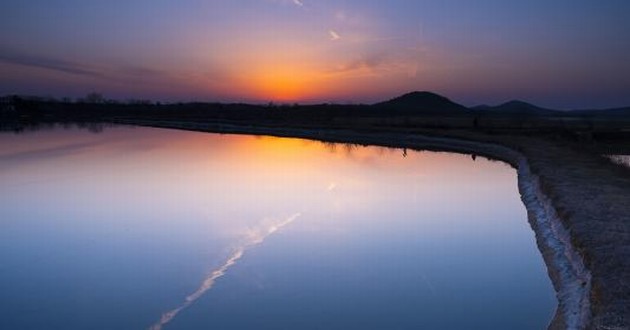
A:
[(429, 284), (44, 153), (253, 237)]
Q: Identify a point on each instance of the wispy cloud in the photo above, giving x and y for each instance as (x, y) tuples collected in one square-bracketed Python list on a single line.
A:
[(49, 63), (334, 36), (254, 237), (298, 3), (117, 73), (368, 62), (139, 71)]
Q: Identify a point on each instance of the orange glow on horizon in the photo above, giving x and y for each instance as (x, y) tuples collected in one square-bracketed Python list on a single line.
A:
[(285, 83), (279, 86)]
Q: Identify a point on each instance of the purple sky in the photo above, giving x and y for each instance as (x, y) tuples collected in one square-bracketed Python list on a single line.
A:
[(564, 53)]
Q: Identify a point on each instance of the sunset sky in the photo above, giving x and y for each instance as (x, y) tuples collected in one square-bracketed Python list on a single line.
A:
[(564, 53)]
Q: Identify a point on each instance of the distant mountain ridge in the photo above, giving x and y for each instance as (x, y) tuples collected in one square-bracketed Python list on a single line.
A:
[(523, 108), (428, 103), (422, 103), (516, 107), (410, 104)]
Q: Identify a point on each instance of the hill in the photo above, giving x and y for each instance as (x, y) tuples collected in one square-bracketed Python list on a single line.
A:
[(517, 108), (422, 103)]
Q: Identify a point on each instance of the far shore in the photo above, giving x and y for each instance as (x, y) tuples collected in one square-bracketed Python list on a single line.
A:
[(577, 204)]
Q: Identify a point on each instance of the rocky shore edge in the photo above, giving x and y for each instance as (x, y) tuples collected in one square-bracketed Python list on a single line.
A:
[(567, 268)]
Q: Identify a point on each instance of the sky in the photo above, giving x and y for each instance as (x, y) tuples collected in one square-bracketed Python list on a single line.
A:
[(564, 54)]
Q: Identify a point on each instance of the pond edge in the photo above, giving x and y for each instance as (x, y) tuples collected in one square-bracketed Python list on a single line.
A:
[(566, 268)]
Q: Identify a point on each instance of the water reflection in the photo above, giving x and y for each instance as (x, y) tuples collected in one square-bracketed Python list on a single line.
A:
[(110, 230), (254, 237), (92, 127)]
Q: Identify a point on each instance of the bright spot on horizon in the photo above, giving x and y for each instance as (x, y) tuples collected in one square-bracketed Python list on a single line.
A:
[(281, 83)]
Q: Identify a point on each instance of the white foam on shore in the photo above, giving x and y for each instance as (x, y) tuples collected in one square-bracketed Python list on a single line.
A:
[(573, 283)]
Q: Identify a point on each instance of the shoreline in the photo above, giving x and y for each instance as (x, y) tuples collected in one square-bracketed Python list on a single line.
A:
[(567, 268)]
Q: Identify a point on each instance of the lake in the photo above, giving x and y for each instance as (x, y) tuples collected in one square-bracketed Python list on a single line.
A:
[(138, 228)]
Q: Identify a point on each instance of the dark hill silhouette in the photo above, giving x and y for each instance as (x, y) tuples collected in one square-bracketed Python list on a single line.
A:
[(517, 108), (423, 103)]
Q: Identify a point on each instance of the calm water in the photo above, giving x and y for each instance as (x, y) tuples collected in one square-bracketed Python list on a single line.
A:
[(137, 228)]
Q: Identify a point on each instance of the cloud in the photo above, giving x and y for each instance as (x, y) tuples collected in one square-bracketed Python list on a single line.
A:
[(298, 3), (341, 16), (334, 36), (134, 74), (370, 62), (254, 237), (139, 71), (377, 64), (49, 63)]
